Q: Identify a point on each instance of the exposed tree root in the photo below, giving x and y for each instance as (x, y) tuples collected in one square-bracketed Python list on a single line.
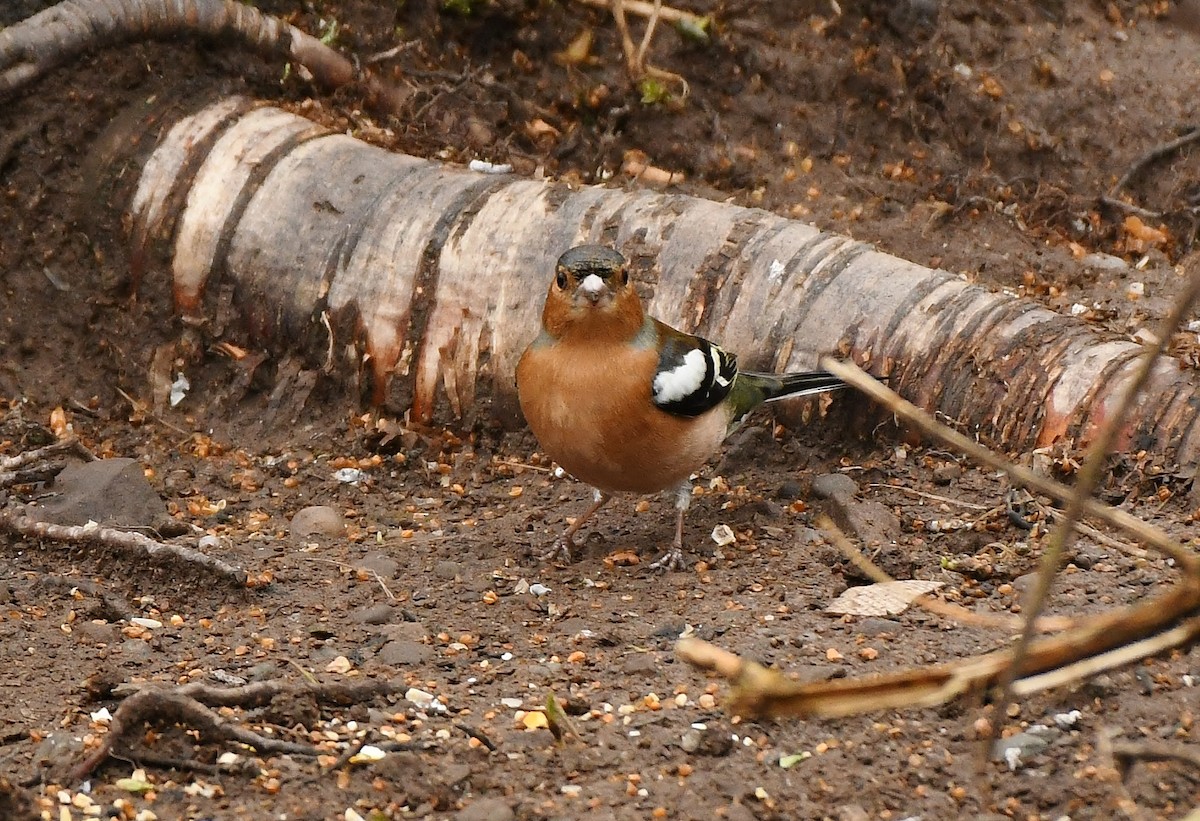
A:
[(37, 45), (93, 534), (191, 705), (1113, 198)]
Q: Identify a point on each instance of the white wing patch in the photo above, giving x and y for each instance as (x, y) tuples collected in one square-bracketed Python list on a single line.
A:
[(718, 359), (682, 380)]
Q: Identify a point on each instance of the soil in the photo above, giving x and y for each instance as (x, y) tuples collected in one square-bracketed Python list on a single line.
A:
[(976, 137)]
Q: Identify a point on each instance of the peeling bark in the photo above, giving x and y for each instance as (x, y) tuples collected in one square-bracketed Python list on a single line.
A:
[(428, 280)]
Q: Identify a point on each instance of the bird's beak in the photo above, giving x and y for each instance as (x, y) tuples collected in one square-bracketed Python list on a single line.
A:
[(593, 288)]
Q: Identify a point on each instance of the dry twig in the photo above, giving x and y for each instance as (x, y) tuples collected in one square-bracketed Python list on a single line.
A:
[(191, 705), (31, 457)]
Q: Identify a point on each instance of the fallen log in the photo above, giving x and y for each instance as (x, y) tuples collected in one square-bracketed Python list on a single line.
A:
[(426, 280)]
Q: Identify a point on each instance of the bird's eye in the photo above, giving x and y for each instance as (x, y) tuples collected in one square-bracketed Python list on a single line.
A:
[(561, 279)]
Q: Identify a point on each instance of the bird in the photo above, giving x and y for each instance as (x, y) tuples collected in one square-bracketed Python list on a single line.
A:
[(625, 402)]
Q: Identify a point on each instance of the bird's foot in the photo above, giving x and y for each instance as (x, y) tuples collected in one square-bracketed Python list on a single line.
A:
[(671, 560), (560, 552)]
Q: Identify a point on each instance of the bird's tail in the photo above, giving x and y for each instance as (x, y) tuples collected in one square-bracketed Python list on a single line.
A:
[(787, 385)]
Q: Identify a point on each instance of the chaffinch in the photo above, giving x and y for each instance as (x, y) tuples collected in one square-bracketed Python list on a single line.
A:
[(627, 403)]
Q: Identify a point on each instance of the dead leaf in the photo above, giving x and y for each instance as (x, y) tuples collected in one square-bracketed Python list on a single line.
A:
[(884, 599)]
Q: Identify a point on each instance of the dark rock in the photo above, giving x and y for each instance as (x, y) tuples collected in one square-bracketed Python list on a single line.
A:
[(113, 492), (871, 522), (134, 650), (790, 490), (411, 630), (871, 627), (712, 741)]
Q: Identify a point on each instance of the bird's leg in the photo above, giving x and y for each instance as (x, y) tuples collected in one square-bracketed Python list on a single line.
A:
[(564, 543), (673, 558)]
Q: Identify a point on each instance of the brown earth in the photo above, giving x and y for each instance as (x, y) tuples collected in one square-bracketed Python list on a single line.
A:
[(977, 137)]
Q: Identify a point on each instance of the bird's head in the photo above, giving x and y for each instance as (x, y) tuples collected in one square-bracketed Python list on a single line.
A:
[(592, 294)]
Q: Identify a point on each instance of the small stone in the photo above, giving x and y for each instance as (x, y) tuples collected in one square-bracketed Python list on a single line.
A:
[(1105, 262), (446, 570), (341, 664), (641, 664), (404, 653), (321, 520), (383, 564), (381, 613), (947, 473), (789, 490), (1023, 584), (95, 632), (711, 741), (486, 809), (835, 486)]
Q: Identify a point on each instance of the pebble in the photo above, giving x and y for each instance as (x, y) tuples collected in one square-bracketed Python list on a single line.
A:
[(381, 563), (789, 490), (486, 809), (404, 653), (834, 486), (321, 520), (1105, 262), (380, 613), (640, 664), (96, 632), (446, 570), (947, 473), (714, 742)]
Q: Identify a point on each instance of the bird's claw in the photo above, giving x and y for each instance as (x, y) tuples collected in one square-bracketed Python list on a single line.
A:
[(560, 551), (671, 560)]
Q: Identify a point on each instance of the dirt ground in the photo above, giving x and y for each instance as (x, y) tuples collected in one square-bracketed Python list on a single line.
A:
[(976, 137)]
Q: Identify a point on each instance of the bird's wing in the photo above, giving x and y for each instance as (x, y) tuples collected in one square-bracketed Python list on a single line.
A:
[(693, 374)]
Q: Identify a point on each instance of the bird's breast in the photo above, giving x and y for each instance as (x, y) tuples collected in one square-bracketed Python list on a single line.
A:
[(591, 410)]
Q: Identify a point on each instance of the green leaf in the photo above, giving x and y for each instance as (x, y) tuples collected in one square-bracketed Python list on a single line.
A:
[(653, 91)]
